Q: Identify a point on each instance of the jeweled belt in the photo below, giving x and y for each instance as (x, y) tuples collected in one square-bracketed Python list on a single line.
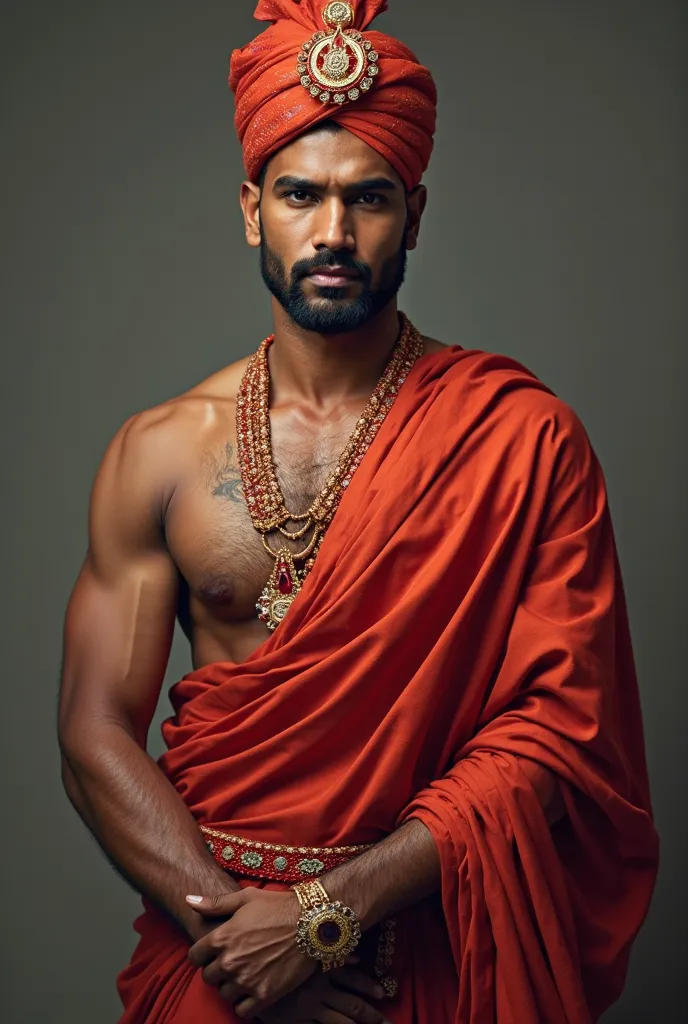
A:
[(273, 861), (279, 863)]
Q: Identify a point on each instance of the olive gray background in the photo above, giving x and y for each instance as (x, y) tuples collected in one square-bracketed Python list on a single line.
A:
[(555, 233)]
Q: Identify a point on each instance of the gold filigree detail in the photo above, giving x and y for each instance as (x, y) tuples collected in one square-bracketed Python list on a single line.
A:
[(338, 14), (335, 61)]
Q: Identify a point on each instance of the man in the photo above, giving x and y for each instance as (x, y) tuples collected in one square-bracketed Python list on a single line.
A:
[(410, 750)]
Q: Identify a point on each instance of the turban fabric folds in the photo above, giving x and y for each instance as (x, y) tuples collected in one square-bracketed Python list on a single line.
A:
[(396, 117)]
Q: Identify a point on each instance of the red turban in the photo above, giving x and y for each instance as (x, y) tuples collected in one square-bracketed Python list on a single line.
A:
[(396, 116)]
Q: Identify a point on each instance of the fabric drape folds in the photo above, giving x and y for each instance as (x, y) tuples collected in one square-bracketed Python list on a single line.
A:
[(465, 618)]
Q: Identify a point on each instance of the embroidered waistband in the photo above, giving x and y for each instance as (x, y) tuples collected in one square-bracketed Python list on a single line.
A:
[(273, 861)]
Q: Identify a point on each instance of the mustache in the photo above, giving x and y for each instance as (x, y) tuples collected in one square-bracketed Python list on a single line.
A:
[(328, 258)]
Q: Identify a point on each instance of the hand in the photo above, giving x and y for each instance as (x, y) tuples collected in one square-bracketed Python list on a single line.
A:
[(252, 958), (332, 998)]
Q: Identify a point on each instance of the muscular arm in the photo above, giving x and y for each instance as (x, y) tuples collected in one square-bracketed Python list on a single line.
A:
[(118, 633)]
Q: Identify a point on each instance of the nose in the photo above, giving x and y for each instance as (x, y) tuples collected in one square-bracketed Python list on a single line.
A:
[(332, 228)]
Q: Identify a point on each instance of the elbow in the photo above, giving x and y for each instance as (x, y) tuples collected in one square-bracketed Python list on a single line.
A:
[(72, 756), (89, 743), (83, 746), (79, 743), (70, 737), (69, 762), (70, 784)]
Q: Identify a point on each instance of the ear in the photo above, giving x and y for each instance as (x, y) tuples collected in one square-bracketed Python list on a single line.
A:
[(249, 197), (415, 204)]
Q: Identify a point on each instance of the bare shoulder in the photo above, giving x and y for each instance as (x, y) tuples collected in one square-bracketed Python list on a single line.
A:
[(160, 443), (184, 417)]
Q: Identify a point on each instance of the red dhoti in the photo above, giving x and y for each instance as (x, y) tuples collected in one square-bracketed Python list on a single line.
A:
[(465, 612)]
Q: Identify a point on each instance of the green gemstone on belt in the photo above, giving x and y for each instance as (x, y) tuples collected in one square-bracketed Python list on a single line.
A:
[(310, 866), (251, 859), (280, 863)]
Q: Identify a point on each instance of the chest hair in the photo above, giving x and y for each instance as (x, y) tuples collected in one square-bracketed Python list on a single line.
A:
[(304, 464)]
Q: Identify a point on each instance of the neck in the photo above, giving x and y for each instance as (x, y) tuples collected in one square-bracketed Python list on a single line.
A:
[(324, 368)]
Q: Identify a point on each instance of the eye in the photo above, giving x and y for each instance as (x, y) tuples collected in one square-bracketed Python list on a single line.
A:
[(371, 199), (297, 196)]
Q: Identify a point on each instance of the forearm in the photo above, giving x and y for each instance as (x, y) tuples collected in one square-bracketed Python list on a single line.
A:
[(141, 822), (397, 872), (405, 867)]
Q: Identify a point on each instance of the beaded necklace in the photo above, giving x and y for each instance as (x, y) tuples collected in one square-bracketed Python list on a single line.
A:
[(264, 498)]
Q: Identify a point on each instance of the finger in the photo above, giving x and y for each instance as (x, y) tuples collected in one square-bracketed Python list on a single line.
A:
[(202, 952), (353, 1007), (217, 974), (356, 981), (231, 992), (248, 1008), (218, 906)]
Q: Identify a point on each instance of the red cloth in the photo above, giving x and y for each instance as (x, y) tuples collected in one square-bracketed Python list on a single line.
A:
[(466, 611), (396, 117)]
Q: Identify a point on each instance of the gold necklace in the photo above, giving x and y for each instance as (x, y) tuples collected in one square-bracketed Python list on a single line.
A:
[(264, 498)]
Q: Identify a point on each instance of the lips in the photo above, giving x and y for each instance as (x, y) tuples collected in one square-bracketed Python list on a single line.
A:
[(333, 277)]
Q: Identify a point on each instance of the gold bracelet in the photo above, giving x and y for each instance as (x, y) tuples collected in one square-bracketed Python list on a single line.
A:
[(310, 894), (327, 931)]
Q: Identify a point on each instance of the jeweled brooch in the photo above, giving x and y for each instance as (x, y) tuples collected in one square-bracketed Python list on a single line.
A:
[(337, 65)]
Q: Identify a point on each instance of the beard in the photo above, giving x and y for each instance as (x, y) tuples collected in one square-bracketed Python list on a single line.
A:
[(329, 311)]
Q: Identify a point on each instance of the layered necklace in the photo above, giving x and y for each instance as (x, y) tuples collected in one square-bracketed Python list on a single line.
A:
[(264, 499)]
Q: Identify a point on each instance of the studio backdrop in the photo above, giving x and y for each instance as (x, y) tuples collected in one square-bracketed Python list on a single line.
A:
[(555, 233)]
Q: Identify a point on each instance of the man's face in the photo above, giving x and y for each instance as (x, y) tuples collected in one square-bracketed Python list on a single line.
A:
[(333, 229)]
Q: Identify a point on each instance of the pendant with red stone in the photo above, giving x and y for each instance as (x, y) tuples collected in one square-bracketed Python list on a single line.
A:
[(280, 590)]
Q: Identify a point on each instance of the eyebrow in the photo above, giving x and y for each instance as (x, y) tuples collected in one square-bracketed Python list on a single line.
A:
[(305, 185)]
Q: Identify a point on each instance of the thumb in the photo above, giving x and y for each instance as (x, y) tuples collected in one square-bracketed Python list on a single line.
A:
[(218, 906)]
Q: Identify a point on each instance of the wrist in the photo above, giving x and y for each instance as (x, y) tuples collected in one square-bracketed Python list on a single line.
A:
[(327, 930), (194, 923), (342, 885), (397, 872)]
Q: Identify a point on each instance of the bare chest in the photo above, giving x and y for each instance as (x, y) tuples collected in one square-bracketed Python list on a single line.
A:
[(221, 558)]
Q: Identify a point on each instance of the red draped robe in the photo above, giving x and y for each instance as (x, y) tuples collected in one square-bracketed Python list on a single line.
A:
[(466, 611)]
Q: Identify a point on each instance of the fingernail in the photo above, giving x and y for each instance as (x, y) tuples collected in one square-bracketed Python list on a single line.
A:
[(195, 899)]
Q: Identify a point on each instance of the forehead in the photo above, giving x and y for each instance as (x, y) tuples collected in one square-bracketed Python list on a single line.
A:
[(331, 158)]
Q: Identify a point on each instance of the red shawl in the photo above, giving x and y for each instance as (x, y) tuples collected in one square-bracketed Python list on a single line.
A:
[(466, 610)]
